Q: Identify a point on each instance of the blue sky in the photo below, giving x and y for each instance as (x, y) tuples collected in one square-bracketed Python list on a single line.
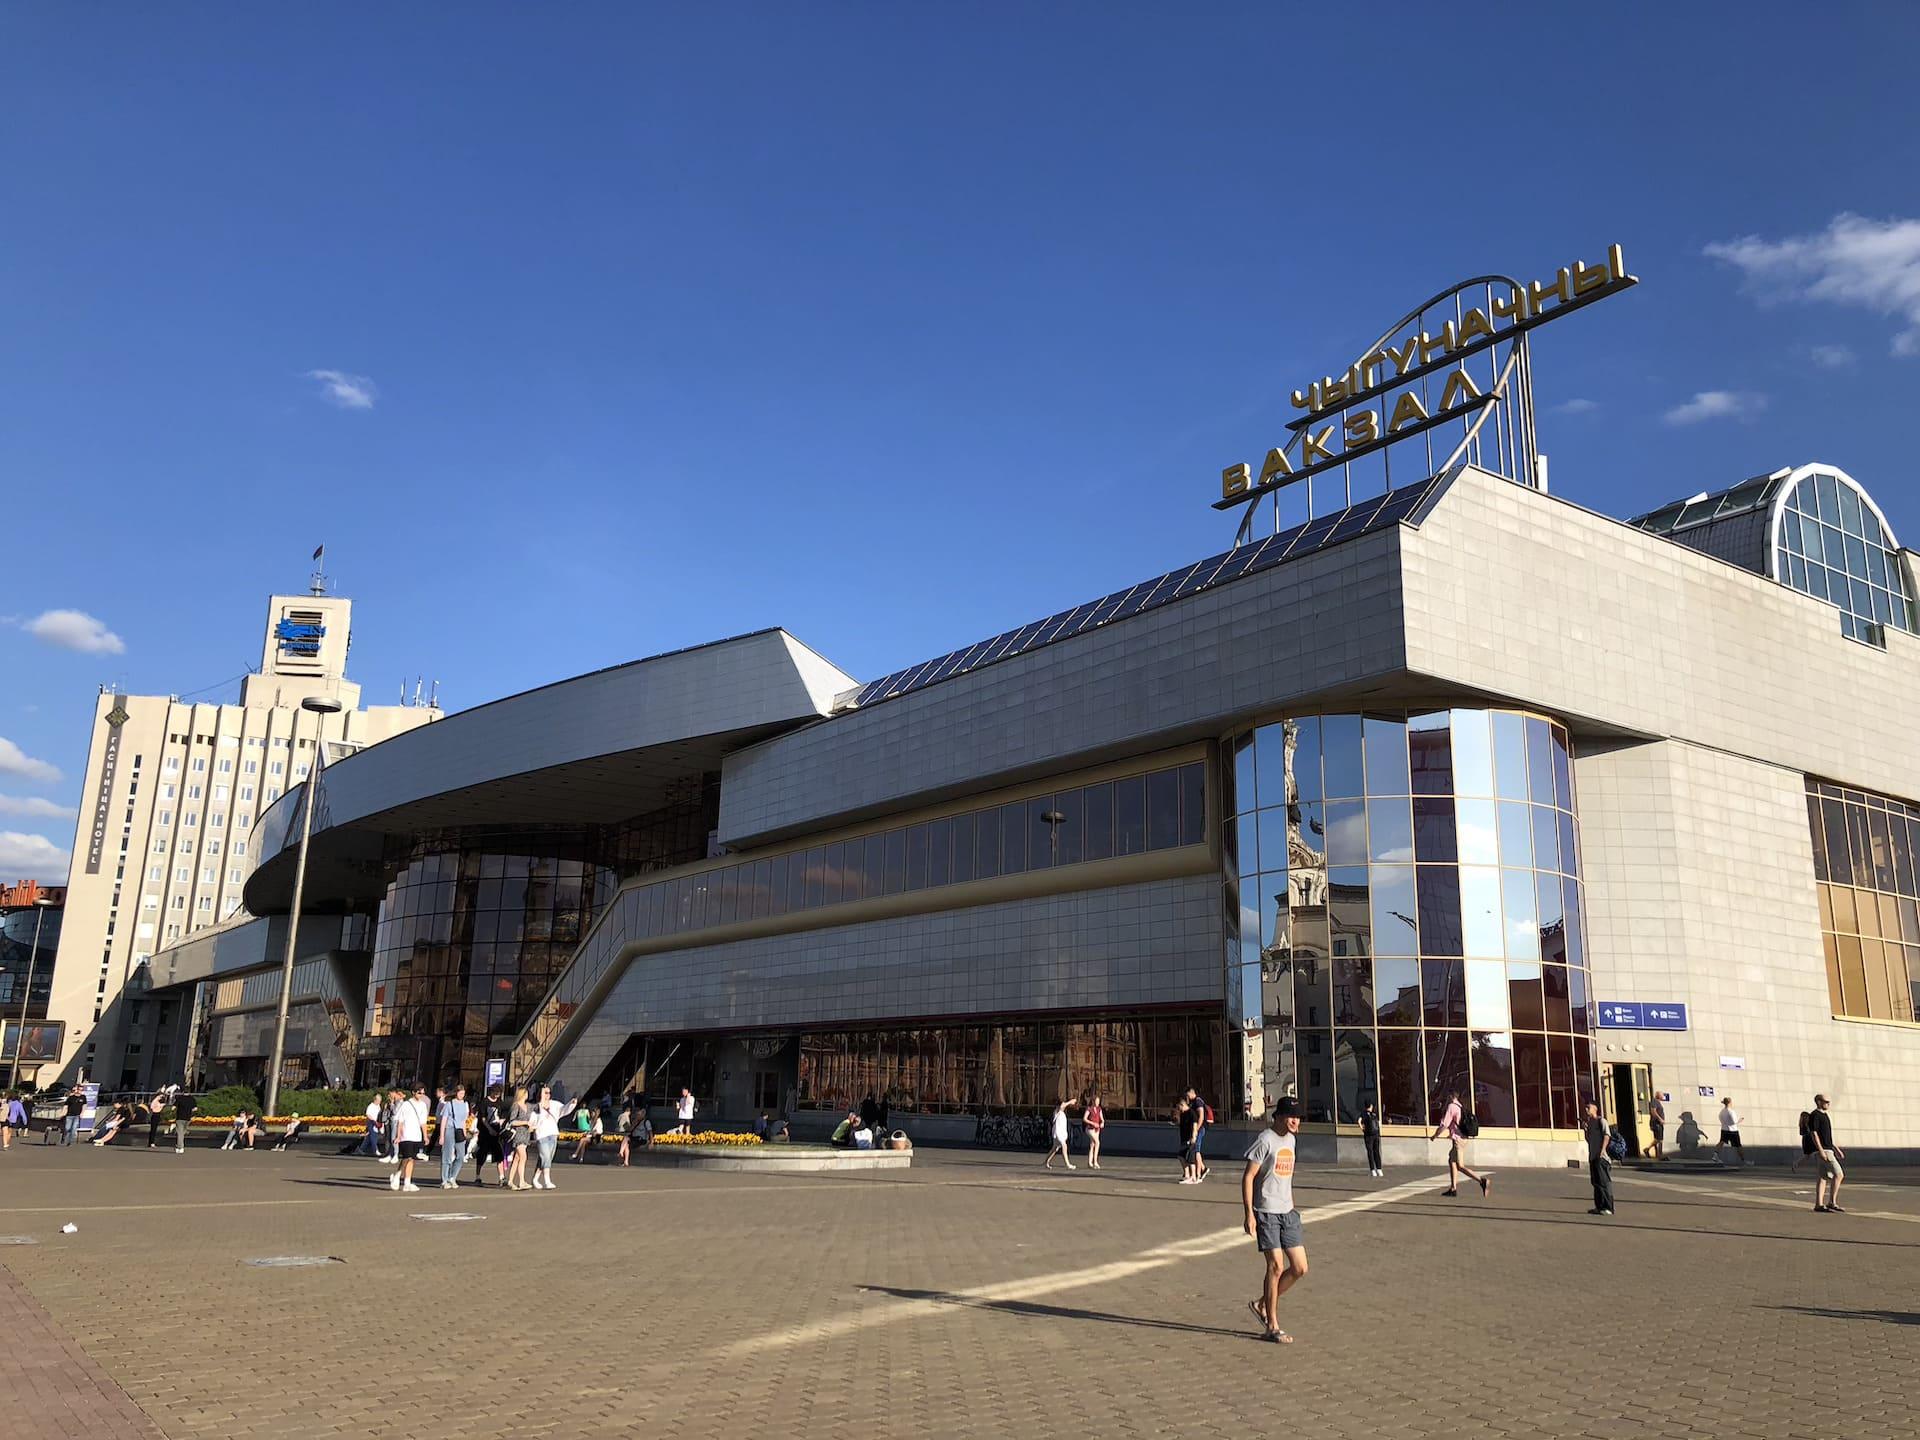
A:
[(582, 333)]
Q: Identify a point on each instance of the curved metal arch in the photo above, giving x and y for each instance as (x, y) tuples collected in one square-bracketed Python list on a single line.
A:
[(1777, 510), (1516, 353)]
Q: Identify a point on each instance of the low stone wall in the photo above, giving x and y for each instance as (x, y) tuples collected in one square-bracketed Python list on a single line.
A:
[(773, 1159)]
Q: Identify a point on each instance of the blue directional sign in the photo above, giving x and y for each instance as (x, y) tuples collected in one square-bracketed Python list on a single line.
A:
[(1642, 1015)]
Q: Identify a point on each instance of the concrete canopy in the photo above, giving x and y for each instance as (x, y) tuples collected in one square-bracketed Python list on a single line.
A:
[(593, 750)]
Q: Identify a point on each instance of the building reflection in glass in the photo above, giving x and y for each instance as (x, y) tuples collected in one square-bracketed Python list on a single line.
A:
[(1404, 904)]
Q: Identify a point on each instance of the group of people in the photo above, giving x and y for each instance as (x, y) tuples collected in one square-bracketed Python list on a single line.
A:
[(518, 1133), (117, 1119)]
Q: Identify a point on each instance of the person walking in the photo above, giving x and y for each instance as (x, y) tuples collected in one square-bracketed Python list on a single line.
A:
[(1730, 1132), (1657, 1122), (70, 1126), (1060, 1145), (1205, 1113), (1186, 1116), (546, 1117), (183, 1107), (1266, 1192), (683, 1109), (453, 1137), (491, 1138), (409, 1137), (1826, 1190), (15, 1121), (157, 1114), (436, 1142), (1599, 1163), (371, 1143), (1095, 1119), (1370, 1137), (519, 1133), (1459, 1127)]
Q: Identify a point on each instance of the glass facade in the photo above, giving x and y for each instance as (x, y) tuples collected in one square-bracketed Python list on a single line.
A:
[(1866, 851), (1157, 810), (18, 958), (469, 939), (1834, 548), (1139, 1067), (1404, 915)]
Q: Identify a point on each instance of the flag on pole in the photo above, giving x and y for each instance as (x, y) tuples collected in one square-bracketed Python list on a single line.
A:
[(318, 552)]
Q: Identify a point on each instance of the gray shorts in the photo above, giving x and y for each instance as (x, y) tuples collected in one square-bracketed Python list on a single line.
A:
[(1830, 1168), (1275, 1231)]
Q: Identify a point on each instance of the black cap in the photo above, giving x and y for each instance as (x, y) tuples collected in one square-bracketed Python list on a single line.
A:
[(1286, 1105)]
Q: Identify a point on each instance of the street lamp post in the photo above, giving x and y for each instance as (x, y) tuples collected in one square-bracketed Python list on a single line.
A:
[(320, 706), (33, 957)]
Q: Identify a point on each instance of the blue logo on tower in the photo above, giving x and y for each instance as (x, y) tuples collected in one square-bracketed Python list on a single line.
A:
[(299, 637)]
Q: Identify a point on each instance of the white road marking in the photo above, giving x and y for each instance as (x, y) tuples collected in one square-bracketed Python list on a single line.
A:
[(1749, 1198), (1034, 1287)]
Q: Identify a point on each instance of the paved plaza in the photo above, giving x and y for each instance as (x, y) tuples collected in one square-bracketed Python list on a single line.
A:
[(973, 1295)]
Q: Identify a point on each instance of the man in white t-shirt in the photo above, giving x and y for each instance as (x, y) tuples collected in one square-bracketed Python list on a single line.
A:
[(1730, 1130), (1266, 1188), (409, 1137), (683, 1110), (371, 1144)]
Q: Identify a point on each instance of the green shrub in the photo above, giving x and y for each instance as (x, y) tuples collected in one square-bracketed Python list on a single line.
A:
[(227, 1100), (326, 1102)]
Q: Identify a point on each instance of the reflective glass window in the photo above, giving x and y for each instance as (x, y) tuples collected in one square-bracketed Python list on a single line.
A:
[(1386, 756), (1402, 1078), (940, 852), (1481, 930), (1443, 992), (1099, 841), (1270, 752), (1510, 756), (1472, 738), (1449, 1072), (1433, 830), (1539, 760), (1306, 758), (1487, 999), (1352, 990), (1439, 896), (1389, 831), (1271, 828), (1395, 910), (1130, 816), (1493, 1078), (1193, 803), (1245, 794), (1430, 754), (894, 879), (1397, 990), (1477, 831), (1356, 1074), (986, 845), (919, 841), (1163, 809), (1546, 837), (1346, 837), (1531, 1090), (1341, 757), (1516, 835)]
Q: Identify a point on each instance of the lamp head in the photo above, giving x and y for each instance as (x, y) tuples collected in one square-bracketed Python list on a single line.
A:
[(321, 705)]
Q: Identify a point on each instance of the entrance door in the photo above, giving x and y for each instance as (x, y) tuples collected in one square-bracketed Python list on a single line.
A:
[(1627, 1102)]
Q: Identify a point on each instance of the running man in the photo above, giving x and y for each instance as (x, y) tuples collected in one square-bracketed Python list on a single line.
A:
[(1450, 1126), (1730, 1131), (1826, 1190), (1266, 1189)]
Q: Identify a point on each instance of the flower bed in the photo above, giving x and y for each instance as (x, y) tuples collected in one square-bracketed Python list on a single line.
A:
[(708, 1137), (309, 1124)]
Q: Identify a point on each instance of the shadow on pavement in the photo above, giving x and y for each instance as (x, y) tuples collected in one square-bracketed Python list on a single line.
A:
[(1509, 1217), (1054, 1312), (1891, 1317)]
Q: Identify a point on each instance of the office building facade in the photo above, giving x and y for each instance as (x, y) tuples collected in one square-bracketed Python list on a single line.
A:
[(1462, 788), (173, 791)]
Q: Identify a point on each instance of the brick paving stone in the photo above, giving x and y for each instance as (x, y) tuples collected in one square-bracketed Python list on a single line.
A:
[(619, 1305)]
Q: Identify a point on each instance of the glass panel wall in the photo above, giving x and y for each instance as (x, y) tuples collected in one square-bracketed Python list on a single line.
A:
[(1157, 810), (1404, 910), (1139, 1068), (1866, 855)]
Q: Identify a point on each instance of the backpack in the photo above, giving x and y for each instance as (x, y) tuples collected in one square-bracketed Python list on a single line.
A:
[(1469, 1125), (1804, 1118), (1617, 1146)]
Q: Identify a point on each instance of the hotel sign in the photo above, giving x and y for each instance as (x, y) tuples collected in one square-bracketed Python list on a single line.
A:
[(103, 800), (1416, 378)]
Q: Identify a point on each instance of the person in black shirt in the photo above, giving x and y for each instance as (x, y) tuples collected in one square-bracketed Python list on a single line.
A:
[(1187, 1116), (1599, 1167), (1826, 1190), (70, 1129), (1370, 1136)]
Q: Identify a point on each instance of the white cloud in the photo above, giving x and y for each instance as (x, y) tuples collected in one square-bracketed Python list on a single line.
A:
[(15, 761), (1576, 406), (1717, 405), (34, 805), (349, 392), (1831, 357), (75, 630), (1869, 264), (32, 857)]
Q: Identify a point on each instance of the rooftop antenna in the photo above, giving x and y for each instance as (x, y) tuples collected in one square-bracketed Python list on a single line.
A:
[(434, 701), (317, 582)]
